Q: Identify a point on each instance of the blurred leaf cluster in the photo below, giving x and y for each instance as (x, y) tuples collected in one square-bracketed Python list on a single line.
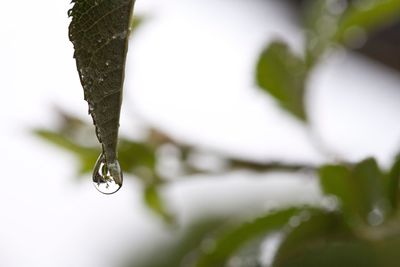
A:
[(356, 224)]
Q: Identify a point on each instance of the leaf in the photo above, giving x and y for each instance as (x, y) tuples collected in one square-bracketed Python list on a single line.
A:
[(321, 27), (232, 240), (324, 240), (392, 183), (282, 74), (134, 155), (369, 180), (326, 26), (176, 252), (87, 155), (387, 250), (155, 203), (99, 31), (135, 23), (359, 188), (369, 16)]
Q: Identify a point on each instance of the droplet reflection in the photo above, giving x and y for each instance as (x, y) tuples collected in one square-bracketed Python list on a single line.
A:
[(107, 177)]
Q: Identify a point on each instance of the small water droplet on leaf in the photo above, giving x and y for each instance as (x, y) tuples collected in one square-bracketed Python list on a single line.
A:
[(107, 177), (376, 217)]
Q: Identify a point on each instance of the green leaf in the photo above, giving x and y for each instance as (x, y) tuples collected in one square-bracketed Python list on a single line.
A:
[(369, 16), (369, 180), (99, 31), (232, 240), (282, 74), (324, 240), (387, 250), (154, 201), (326, 26), (179, 250), (321, 27), (392, 184), (136, 156), (336, 180), (359, 188), (135, 23), (87, 155)]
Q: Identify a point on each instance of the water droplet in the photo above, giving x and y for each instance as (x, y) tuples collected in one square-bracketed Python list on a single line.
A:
[(107, 63), (294, 221), (337, 7), (107, 177), (375, 217), (208, 245), (330, 203), (235, 262), (355, 37), (305, 215), (364, 4)]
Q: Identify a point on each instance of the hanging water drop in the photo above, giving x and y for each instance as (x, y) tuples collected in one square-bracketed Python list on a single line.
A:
[(107, 177)]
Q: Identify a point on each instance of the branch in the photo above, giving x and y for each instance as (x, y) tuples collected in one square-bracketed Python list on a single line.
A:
[(158, 138)]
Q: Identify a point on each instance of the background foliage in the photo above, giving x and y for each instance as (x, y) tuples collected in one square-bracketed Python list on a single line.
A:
[(358, 223)]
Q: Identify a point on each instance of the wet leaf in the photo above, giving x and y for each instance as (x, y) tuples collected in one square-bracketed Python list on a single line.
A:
[(232, 240), (360, 190), (368, 15), (328, 22), (321, 26), (324, 240), (282, 75), (99, 31), (370, 181), (179, 250)]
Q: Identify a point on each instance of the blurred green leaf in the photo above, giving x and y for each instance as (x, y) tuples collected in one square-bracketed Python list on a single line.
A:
[(87, 155), (369, 182), (282, 74), (321, 26), (392, 184), (387, 250), (336, 180), (359, 188), (232, 240), (154, 201), (136, 156), (368, 15), (135, 23), (323, 240), (329, 21), (179, 250)]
